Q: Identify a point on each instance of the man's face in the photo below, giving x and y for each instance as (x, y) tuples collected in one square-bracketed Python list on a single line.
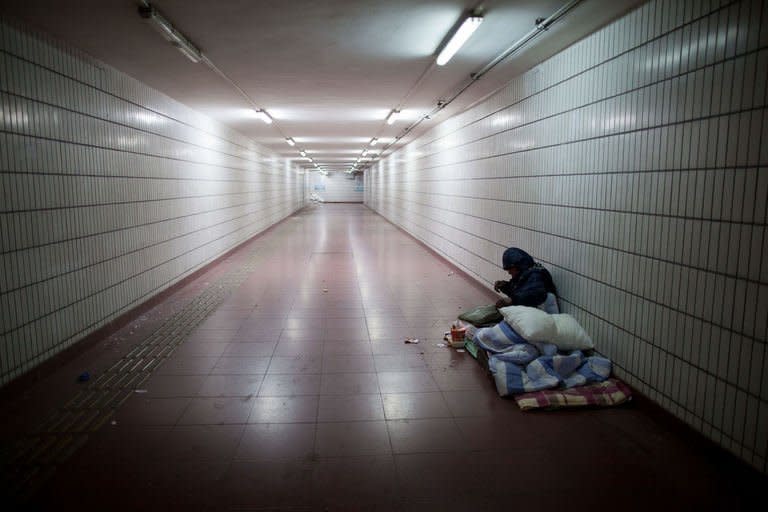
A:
[(513, 271)]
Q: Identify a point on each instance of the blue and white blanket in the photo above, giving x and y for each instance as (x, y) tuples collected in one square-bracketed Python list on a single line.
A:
[(502, 338), (520, 367)]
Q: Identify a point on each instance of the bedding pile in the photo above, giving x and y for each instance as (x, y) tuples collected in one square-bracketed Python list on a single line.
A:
[(531, 350)]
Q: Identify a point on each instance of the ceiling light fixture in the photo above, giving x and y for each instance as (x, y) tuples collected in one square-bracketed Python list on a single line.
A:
[(302, 152), (540, 26), (170, 33), (262, 114), (191, 53), (467, 28), (290, 141), (374, 141), (393, 116), (365, 151)]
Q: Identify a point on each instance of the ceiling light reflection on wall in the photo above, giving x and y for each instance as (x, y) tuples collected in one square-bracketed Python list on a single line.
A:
[(393, 116), (458, 39), (262, 114)]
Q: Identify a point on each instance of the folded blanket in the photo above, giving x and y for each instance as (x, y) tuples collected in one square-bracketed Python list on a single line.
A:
[(502, 338), (547, 372), (521, 353), (603, 394), (499, 338)]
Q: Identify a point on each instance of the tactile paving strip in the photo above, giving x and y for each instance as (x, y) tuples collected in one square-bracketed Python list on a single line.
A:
[(34, 459)]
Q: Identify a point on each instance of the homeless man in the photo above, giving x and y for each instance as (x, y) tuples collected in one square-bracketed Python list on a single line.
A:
[(530, 284)]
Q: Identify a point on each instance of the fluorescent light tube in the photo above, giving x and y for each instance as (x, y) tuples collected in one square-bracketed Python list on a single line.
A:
[(374, 141), (170, 33), (262, 114), (290, 141), (190, 53), (458, 39), (393, 116), (164, 28)]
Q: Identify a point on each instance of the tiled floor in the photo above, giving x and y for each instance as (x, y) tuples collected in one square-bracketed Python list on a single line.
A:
[(298, 393)]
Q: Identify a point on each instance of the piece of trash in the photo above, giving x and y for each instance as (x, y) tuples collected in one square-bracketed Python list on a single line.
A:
[(139, 390), (325, 290), (457, 334), (84, 377), (113, 422), (450, 273), (442, 345), (460, 350), (411, 341)]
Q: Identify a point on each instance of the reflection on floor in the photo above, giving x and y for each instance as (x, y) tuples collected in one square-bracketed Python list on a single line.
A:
[(298, 393)]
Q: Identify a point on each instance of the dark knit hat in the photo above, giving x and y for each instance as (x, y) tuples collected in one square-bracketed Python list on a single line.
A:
[(514, 257)]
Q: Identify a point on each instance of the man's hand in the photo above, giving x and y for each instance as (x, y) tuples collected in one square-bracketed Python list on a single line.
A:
[(497, 285), (502, 303)]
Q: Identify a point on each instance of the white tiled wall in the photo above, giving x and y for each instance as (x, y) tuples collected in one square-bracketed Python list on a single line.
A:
[(633, 165), (110, 192)]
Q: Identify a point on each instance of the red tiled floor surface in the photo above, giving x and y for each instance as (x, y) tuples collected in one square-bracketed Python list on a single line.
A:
[(298, 393)]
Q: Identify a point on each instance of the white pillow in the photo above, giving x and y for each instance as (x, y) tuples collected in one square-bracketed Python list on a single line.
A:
[(532, 324), (569, 335)]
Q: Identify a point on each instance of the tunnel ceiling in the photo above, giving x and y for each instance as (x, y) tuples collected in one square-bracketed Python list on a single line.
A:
[(328, 72)]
